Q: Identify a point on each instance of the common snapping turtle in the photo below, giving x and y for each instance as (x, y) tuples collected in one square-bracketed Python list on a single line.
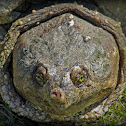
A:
[(63, 63)]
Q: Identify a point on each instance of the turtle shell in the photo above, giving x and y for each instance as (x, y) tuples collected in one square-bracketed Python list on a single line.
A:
[(63, 63)]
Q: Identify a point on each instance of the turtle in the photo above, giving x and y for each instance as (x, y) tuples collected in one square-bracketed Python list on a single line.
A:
[(63, 63)]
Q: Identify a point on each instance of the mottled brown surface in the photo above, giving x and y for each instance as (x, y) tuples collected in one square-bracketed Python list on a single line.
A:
[(62, 52), (61, 49)]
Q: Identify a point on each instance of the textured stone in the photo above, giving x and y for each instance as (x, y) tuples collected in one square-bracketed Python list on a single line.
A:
[(6, 8), (115, 9)]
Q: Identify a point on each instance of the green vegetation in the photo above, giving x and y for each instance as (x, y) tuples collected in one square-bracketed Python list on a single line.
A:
[(116, 114)]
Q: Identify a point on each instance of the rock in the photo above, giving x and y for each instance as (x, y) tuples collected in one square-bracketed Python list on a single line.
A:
[(35, 1), (115, 9), (6, 8), (2, 33)]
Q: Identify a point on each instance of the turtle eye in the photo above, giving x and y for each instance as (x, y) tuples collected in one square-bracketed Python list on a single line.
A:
[(78, 76), (40, 75), (81, 78)]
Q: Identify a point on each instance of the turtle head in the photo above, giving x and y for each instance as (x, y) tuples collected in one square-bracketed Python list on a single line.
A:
[(64, 70)]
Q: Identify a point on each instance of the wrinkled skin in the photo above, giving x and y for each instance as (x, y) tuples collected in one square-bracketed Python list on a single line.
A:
[(62, 50), (64, 67)]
